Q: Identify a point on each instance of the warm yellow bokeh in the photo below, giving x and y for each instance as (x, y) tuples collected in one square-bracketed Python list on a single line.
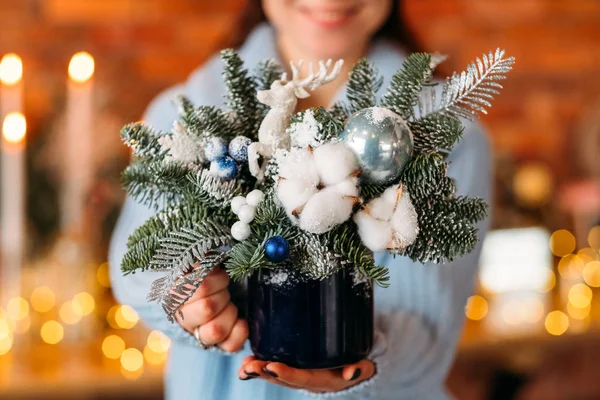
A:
[(70, 313), (17, 308), (588, 254), (22, 326), (52, 332), (550, 283), (81, 67), (533, 310), (594, 238), (5, 344), (578, 313), (11, 69), (159, 343), (591, 273), (126, 317), (153, 357), (102, 275), (476, 308), (113, 347), (562, 242), (571, 266), (532, 184), (83, 303), (42, 299), (5, 330), (580, 295), (556, 323), (132, 359), (14, 127)]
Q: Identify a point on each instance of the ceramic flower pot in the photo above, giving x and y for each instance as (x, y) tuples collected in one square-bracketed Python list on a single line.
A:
[(310, 324)]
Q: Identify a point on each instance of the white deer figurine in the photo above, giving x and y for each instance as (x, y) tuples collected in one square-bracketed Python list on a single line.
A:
[(283, 98)]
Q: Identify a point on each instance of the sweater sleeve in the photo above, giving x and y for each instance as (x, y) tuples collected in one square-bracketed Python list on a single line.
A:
[(419, 325)]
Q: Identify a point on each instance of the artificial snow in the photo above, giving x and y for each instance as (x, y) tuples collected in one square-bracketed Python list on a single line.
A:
[(304, 133), (182, 147)]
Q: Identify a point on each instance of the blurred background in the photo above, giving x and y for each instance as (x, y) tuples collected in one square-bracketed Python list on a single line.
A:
[(535, 316)]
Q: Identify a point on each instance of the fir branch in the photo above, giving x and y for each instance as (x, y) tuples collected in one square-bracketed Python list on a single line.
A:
[(363, 84), (470, 92), (241, 95), (471, 210), (370, 191), (206, 122), (155, 184), (143, 140), (435, 132), (269, 213), (338, 113), (403, 94), (426, 179), (211, 191), (314, 256), (248, 256), (267, 72)]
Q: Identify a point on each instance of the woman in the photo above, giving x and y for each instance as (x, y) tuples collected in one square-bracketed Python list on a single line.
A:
[(418, 319)]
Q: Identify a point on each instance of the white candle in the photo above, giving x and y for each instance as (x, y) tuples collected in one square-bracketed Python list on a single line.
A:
[(11, 88), (78, 141), (12, 208)]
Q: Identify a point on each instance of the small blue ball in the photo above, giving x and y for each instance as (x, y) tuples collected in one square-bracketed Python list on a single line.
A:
[(238, 148), (215, 149), (277, 249), (225, 168)]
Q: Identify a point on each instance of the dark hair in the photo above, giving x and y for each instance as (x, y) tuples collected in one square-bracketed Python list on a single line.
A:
[(394, 29)]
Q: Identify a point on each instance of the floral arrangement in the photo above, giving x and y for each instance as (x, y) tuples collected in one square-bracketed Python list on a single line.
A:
[(260, 186)]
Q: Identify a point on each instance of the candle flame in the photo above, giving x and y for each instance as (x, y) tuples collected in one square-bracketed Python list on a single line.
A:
[(81, 67), (14, 127), (11, 69)]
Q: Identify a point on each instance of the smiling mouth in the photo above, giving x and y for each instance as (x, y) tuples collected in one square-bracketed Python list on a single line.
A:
[(329, 18)]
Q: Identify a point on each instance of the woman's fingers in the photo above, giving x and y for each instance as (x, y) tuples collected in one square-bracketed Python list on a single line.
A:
[(219, 328), (201, 311), (216, 281), (236, 339), (253, 368), (305, 378), (358, 372)]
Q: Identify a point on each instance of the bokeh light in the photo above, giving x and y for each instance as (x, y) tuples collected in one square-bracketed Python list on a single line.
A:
[(594, 238), (5, 344), (556, 323), (160, 343), (81, 67), (533, 310), (578, 313), (153, 357), (126, 317), (132, 360), (17, 308), (14, 127), (562, 242), (550, 284), (591, 273), (571, 266), (532, 184), (476, 309), (512, 312), (588, 254), (580, 295), (83, 303), (22, 326), (5, 330), (113, 347), (42, 299), (52, 332), (102, 275), (11, 69), (70, 313)]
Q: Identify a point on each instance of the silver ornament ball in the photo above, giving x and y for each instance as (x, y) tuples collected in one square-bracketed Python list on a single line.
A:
[(382, 143)]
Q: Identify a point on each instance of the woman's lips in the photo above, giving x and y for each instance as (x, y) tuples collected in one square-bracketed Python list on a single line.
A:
[(329, 18)]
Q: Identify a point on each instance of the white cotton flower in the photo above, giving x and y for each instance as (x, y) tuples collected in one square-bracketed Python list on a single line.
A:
[(325, 210), (183, 147), (335, 162), (317, 204), (393, 213), (375, 234)]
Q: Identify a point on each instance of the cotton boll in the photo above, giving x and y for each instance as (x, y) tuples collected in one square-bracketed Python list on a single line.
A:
[(299, 164), (375, 234), (391, 194), (380, 208), (294, 193), (334, 162), (255, 197), (237, 203), (405, 221), (247, 213), (347, 187), (240, 231), (325, 210)]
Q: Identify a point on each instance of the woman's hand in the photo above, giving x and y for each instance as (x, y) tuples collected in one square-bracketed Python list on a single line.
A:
[(211, 311), (313, 380)]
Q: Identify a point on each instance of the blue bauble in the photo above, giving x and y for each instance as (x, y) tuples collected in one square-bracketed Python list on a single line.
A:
[(215, 149), (225, 168), (238, 148), (382, 143), (277, 249)]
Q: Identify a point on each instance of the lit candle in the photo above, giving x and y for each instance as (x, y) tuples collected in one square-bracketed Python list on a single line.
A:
[(12, 207), (11, 88), (78, 156)]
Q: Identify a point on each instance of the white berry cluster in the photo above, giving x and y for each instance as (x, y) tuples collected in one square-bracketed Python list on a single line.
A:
[(245, 209), (388, 222)]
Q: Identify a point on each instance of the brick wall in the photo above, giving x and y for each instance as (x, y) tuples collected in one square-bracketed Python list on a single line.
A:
[(142, 46)]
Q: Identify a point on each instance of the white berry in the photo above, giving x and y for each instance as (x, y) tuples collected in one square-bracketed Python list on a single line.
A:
[(240, 231), (246, 213), (254, 198), (237, 203)]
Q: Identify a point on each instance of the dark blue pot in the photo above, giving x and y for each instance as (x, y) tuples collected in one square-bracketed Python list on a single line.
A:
[(310, 324)]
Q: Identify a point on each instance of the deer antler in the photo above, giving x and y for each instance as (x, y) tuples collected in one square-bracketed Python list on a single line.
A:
[(313, 81)]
